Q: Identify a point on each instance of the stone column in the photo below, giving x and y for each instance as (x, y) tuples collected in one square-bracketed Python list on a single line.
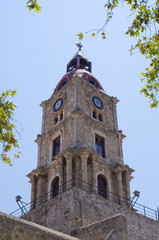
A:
[(120, 186), (94, 178), (77, 173), (120, 147), (127, 185), (39, 141), (114, 102), (68, 157), (39, 194), (33, 194), (110, 187), (84, 158), (60, 171), (43, 105)]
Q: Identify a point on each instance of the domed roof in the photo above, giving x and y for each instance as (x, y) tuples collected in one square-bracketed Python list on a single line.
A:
[(82, 73), (80, 66)]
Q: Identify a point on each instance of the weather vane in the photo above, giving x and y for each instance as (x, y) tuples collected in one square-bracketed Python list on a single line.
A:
[(79, 45)]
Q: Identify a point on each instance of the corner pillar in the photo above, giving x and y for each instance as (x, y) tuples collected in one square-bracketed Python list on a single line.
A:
[(84, 158), (39, 194), (39, 141), (33, 193), (69, 157), (114, 102), (94, 178), (110, 187), (127, 185), (61, 177), (120, 186)]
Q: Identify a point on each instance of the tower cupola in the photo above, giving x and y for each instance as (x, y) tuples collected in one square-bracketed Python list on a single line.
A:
[(79, 65), (79, 61)]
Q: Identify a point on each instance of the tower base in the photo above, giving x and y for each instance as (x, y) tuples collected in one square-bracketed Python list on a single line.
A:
[(77, 212)]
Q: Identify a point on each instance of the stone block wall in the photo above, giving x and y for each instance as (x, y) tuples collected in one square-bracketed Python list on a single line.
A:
[(78, 209), (107, 229), (12, 228)]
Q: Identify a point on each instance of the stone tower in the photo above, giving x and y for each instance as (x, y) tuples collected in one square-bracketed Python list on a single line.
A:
[(79, 151)]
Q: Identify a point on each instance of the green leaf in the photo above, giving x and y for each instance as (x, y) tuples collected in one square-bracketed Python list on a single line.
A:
[(80, 36)]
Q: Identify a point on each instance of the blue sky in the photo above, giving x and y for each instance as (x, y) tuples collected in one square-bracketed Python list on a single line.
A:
[(35, 49)]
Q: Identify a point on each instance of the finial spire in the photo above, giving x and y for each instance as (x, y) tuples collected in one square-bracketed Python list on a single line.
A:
[(79, 45)]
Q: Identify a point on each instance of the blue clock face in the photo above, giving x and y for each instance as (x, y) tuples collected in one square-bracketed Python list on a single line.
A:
[(58, 104), (97, 102)]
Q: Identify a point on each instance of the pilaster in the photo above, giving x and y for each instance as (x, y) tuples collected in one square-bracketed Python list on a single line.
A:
[(39, 142), (84, 157), (110, 187), (114, 102), (39, 193), (68, 156), (119, 184)]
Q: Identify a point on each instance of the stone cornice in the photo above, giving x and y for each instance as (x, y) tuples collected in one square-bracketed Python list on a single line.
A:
[(120, 168), (53, 98), (36, 172), (120, 134), (115, 100)]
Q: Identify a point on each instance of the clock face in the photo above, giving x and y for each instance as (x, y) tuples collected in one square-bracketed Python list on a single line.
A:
[(58, 104), (97, 102)]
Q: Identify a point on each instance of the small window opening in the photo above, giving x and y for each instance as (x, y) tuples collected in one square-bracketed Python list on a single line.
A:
[(99, 141), (63, 84), (94, 114), (92, 83), (61, 116), (55, 120), (56, 146), (100, 117)]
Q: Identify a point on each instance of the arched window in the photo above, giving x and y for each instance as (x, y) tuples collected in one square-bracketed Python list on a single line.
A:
[(102, 186), (94, 114), (63, 83), (55, 187), (99, 141), (56, 146), (100, 117)]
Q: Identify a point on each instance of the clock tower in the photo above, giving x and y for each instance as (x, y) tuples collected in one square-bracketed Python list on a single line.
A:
[(80, 158)]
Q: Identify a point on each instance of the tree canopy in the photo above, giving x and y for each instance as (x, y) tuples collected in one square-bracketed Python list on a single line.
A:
[(7, 127), (145, 29)]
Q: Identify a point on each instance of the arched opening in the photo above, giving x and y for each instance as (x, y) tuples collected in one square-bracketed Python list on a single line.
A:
[(102, 186), (94, 114), (55, 187), (100, 117)]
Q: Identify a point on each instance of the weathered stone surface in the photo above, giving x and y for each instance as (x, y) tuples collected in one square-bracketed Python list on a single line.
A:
[(78, 131), (12, 228), (78, 208), (113, 228), (81, 140)]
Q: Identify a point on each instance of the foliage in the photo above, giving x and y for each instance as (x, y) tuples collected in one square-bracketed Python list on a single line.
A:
[(7, 138), (33, 5), (146, 29)]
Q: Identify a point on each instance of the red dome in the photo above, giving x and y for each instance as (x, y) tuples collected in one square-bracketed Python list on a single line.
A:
[(82, 73)]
